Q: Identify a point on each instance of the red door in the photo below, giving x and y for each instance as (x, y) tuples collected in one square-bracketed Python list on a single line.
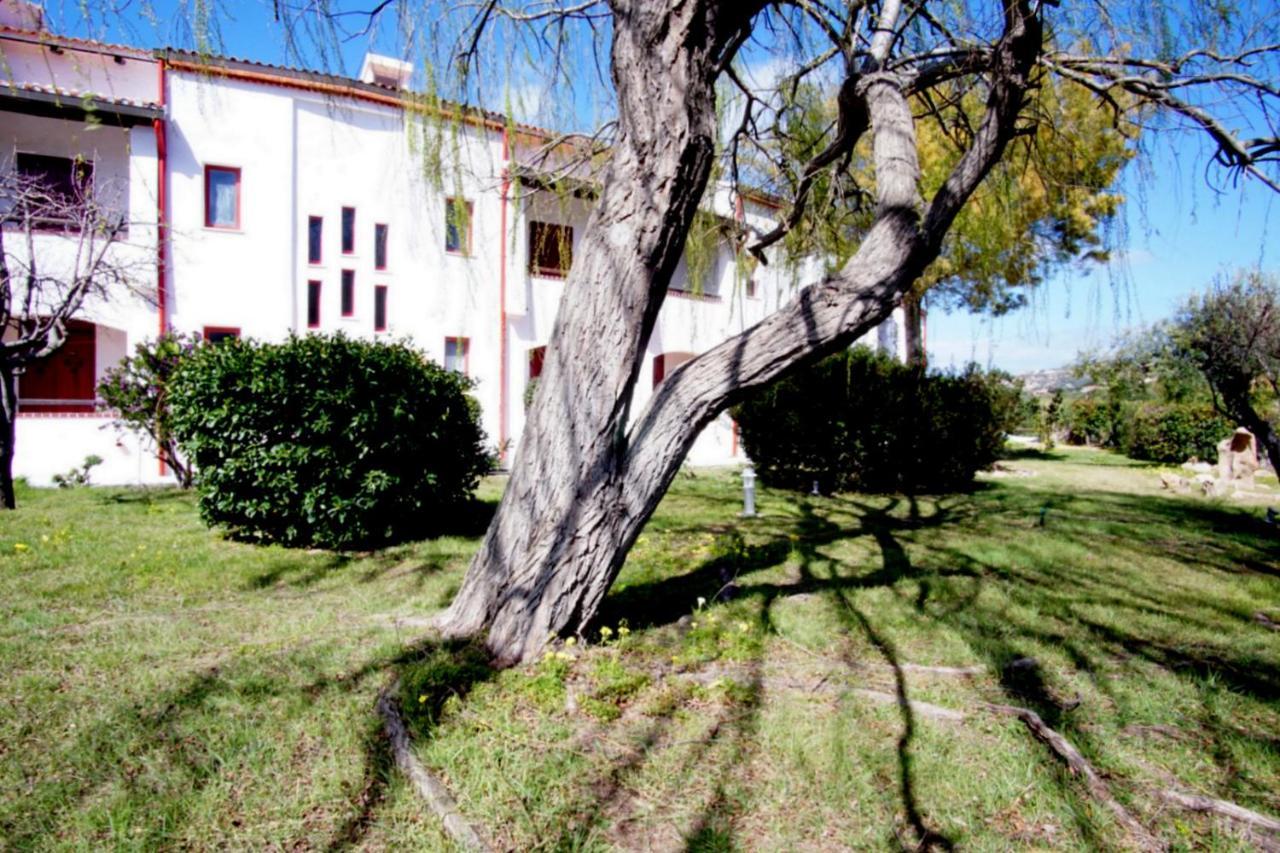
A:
[(63, 382)]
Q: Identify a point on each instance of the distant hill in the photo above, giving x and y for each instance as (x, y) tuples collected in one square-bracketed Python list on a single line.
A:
[(1045, 382)]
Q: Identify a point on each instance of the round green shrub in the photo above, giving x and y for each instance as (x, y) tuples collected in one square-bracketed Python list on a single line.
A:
[(326, 441), (859, 420), (1174, 432)]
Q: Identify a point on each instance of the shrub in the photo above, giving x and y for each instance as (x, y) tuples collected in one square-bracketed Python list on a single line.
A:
[(1174, 432), (859, 420), (1090, 420), (326, 441), (138, 390)]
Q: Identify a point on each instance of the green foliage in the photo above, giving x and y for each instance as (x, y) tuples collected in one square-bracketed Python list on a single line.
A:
[(1231, 334), (1051, 419), (78, 476), (326, 441), (1174, 432), (860, 420), (1091, 420), (1049, 201), (137, 389)]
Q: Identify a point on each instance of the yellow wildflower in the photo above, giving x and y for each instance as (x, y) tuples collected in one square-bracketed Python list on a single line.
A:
[(606, 632), (744, 627), (20, 547), (422, 698), (572, 641)]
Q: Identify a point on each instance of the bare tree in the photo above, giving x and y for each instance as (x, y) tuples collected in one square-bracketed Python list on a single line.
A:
[(62, 244)]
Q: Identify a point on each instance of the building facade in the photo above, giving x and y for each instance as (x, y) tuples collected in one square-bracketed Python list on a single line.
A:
[(279, 201)]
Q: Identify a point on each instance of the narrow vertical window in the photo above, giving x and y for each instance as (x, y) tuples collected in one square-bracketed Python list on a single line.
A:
[(753, 288), (456, 351), (348, 230), (380, 246), (313, 304), (348, 293), (550, 249), (315, 235), (457, 226), (380, 308), (221, 197)]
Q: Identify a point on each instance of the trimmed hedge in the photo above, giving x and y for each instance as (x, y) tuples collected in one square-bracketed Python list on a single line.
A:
[(326, 441), (860, 420)]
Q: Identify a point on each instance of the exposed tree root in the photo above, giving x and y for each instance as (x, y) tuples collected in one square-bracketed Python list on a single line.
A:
[(1097, 787), (428, 786), (1231, 811)]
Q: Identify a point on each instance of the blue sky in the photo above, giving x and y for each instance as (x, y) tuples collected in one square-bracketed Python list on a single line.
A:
[(1180, 233)]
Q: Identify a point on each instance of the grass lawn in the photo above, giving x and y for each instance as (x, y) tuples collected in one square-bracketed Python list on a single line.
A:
[(168, 688)]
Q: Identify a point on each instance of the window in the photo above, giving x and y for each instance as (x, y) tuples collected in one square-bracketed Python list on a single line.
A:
[(218, 334), (61, 186), (457, 225), (315, 237), (456, 352), (380, 246), (348, 230), (348, 293), (62, 381), (313, 304), (537, 356), (550, 249), (221, 197), (380, 308), (753, 288)]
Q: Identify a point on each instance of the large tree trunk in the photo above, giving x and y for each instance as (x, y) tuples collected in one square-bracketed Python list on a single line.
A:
[(586, 477), (913, 326), (8, 429)]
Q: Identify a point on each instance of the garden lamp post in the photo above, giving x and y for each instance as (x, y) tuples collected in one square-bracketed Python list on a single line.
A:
[(748, 492)]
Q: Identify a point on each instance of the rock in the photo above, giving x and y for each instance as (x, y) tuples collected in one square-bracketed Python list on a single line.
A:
[(1238, 458)]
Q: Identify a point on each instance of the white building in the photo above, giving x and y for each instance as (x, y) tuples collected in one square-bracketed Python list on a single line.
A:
[(295, 201)]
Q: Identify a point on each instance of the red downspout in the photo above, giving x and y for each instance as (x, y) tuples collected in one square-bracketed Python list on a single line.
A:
[(502, 301), (162, 226), (162, 220)]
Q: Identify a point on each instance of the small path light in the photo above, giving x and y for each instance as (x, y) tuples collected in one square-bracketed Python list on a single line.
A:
[(748, 492)]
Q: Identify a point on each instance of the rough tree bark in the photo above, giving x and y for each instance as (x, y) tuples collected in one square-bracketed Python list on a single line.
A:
[(8, 418), (588, 476)]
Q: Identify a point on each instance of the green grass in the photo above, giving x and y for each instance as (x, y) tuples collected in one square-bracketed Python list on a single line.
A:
[(168, 688)]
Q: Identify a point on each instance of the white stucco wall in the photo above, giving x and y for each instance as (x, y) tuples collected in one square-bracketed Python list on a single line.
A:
[(302, 154)]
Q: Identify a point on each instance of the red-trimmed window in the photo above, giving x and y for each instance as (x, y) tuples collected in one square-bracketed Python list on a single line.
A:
[(380, 308), (62, 382), (348, 293), (313, 304), (379, 246), (457, 355), (315, 239), (550, 249), (218, 334), (222, 197), (537, 356), (458, 214), (348, 230)]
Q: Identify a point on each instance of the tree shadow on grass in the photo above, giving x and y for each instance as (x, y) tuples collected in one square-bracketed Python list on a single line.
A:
[(1024, 552), (136, 773), (305, 569)]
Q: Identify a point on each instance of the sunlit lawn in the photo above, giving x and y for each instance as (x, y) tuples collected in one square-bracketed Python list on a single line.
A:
[(168, 688)]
